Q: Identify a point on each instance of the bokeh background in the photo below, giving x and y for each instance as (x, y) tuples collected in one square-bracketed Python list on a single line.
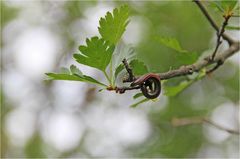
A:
[(73, 119)]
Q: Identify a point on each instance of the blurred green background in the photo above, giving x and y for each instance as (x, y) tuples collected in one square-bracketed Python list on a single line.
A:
[(72, 119)]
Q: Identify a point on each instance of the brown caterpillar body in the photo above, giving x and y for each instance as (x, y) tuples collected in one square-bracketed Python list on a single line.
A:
[(150, 85)]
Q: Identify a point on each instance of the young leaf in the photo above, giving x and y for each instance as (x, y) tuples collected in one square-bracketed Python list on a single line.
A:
[(122, 51), (75, 70), (93, 81), (139, 102), (62, 76), (74, 74), (216, 6), (138, 67), (171, 43), (186, 57), (224, 6), (228, 5), (84, 78), (114, 24), (173, 91), (33, 148), (118, 70), (137, 95), (65, 70), (97, 53)]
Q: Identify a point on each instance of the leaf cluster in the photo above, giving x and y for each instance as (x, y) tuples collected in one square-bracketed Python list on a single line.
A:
[(227, 8), (104, 53)]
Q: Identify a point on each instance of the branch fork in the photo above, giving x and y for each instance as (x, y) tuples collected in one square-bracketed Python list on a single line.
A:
[(130, 78), (150, 83), (216, 58)]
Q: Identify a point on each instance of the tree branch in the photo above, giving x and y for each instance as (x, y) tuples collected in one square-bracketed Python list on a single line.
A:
[(219, 63), (200, 120), (129, 70), (219, 35), (211, 21), (196, 67), (220, 127), (189, 69), (215, 58)]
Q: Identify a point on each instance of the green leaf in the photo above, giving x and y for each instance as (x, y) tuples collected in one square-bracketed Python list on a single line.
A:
[(233, 27), (216, 6), (137, 95), (97, 53), (224, 6), (65, 70), (171, 43), (62, 76), (93, 81), (175, 90), (118, 70), (139, 102), (73, 77), (228, 5), (114, 24), (35, 147), (75, 70), (122, 51), (184, 56), (187, 58), (201, 74), (138, 67)]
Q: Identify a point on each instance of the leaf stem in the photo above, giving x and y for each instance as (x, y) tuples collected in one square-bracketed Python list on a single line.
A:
[(109, 80), (111, 74)]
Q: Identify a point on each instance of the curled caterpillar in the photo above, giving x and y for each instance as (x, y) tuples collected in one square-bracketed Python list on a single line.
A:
[(150, 85)]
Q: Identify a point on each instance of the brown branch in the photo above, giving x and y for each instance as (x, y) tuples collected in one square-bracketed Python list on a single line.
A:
[(196, 67), (186, 121), (219, 35), (211, 21), (122, 90), (219, 63), (129, 70), (221, 127), (218, 59), (200, 120)]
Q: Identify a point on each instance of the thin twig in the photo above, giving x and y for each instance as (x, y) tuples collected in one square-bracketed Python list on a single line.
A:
[(211, 21), (219, 63), (196, 67), (131, 77), (219, 59), (200, 120), (122, 90), (221, 127), (219, 35), (185, 121)]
